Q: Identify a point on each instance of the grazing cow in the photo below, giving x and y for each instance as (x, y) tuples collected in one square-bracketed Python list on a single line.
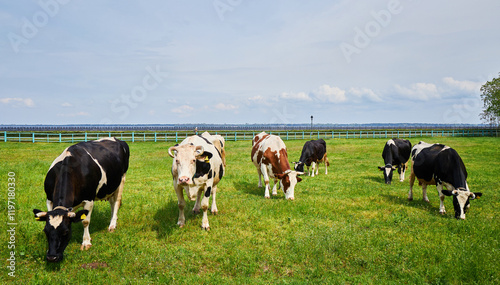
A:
[(313, 153), (83, 173), (395, 154), (197, 167), (270, 157), (440, 165)]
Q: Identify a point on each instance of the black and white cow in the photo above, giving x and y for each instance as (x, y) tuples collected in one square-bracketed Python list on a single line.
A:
[(197, 168), (83, 173), (313, 153), (395, 154), (440, 165)]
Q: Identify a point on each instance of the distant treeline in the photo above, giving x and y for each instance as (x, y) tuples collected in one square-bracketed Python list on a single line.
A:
[(234, 127)]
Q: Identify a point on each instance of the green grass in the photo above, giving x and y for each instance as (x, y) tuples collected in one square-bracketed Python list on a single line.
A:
[(346, 227)]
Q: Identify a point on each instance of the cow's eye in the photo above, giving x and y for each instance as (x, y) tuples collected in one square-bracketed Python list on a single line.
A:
[(193, 161), (177, 161)]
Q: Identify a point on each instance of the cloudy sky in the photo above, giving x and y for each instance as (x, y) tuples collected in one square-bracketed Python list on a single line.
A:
[(246, 61)]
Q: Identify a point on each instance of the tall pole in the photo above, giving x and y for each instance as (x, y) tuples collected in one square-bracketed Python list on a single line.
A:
[(311, 125)]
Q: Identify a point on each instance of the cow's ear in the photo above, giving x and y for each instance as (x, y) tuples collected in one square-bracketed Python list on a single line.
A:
[(79, 216), (39, 215), (172, 149), (199, 151), (381, 168), (207, 154), (447, 192), (299, 179), (476, 195)]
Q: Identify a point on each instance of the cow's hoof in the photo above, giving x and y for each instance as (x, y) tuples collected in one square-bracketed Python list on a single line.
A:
[(181, 225), (442, 212), (267, 197), (196, 212), (207, 228), (427, 201), (410, 199), (111, 229), (215, 212), (85, 246)]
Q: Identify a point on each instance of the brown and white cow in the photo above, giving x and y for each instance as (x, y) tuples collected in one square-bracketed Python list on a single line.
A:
[(82, 174), (197, 168), (270, 157)]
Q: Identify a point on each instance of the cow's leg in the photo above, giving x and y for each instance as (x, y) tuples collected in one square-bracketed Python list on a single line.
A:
[(439, 188), (204, 205), (89, 206), (402, 173), (316, 165), (214, 205), (260, 177), (424, 192), (197, 204), (308, 171), (265, 175), (181, 203), (275, 187), (412, 180), (115, 201), (313, 166)]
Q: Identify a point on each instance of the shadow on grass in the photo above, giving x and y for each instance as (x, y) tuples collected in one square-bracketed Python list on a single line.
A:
[(415, 203), (166, 218), (249, 187)]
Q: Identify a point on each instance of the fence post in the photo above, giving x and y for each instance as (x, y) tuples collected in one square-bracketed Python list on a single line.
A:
[(85, 136), (133, 138), (235, 136), (155, 136), (5, 136), (59, 137), (33, 139), (176, 136)]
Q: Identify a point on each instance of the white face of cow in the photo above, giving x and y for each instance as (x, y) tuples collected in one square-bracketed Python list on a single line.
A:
[(461, 200), (184, 163), (288, 180)]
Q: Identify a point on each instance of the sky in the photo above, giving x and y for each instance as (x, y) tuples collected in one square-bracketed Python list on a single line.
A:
[(246, 61)]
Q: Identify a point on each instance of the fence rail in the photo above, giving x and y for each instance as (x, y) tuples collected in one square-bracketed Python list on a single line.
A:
[(73, 137)]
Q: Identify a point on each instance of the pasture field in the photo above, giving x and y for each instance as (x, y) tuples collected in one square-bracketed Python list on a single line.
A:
[(346, 227)]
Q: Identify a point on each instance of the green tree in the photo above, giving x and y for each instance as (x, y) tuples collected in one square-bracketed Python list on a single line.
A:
[(491, 100)]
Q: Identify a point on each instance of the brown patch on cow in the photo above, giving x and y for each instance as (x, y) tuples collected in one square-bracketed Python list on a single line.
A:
[(286, 183), (284, 164), (94, 265)]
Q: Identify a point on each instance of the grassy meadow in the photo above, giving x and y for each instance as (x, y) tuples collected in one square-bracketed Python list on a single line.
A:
[(346, 227)]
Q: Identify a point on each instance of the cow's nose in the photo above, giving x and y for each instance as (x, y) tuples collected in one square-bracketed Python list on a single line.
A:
[(51, 258), (183, 180)]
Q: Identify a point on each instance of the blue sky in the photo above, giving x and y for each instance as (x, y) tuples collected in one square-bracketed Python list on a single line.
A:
[(246, 61)]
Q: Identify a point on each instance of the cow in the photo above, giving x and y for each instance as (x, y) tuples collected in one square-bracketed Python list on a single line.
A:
[(395, 154), (83, 173), (313, 153), (270, 157), (440, 165), (197, 168)]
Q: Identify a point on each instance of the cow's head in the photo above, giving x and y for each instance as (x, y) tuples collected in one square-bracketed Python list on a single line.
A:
[(299, 166), (461, 200), (288, 180), (190, 162), (388, 169), (58, 229)]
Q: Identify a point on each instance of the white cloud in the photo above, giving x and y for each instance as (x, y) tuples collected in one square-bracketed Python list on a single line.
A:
[(365, 93), (466, 85), (222, 106), (183, 109), (326, 93), (420, 91), (66, 104), (28, 102), (301, 96)]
